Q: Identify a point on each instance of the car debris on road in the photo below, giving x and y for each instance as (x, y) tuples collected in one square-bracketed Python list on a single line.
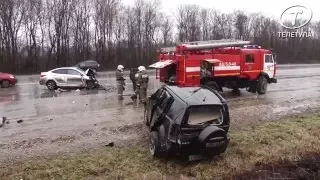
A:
[(111, 144), (4, 120), (20, 121)]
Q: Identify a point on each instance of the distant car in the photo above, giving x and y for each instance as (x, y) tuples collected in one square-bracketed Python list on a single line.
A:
[(84, 65), (7, 80), (192, 121), (66, 77)]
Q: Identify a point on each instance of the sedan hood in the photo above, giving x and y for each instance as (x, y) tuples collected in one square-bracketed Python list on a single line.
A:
[(5, 74)]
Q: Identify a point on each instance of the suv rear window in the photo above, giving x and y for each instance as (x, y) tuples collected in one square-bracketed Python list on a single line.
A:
[(202, 114)]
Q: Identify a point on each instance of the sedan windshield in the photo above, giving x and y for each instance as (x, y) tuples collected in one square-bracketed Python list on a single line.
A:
[(80, 70)]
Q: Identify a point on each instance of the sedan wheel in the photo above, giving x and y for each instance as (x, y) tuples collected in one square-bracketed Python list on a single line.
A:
[(5, 84), (51, 85), (90, 84)]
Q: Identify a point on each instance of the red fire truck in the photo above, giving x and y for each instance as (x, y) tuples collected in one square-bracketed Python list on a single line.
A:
[(233, 64)]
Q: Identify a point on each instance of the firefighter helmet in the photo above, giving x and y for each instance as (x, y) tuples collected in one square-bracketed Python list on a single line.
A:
[(141, 68), (120, 67)]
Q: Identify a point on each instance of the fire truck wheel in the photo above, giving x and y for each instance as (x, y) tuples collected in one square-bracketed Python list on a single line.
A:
[(212, 84), (262, 85)]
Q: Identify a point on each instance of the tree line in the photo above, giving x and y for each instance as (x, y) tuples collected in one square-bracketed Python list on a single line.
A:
[(38, 35)]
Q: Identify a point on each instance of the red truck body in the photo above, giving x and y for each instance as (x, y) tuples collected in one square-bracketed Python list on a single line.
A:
[(232, 64)]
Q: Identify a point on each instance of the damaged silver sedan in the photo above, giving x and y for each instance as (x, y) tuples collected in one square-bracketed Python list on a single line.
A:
[(68, 77)]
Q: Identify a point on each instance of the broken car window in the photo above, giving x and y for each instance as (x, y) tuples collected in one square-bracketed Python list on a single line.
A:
[(176, 109), (201, 114), (164, 100)]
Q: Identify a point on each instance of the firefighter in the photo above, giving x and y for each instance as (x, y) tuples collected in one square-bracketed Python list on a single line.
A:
[(142, 84), (120, 81), (133, 72), (136, 87)]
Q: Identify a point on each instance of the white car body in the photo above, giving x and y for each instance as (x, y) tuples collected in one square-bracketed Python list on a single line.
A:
[(65, 77)]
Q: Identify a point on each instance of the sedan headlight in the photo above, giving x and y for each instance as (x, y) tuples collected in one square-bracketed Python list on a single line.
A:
[(11, 77)]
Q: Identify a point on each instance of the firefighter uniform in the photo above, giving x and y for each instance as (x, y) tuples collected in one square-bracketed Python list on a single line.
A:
[(136, 87), (142, 84), (120, 82), (133, 72)]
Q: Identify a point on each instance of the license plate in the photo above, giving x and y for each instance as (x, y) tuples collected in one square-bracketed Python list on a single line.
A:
[(195, 157)]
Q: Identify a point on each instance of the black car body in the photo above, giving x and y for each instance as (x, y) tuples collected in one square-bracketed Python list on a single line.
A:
[(187, 120), (89, 64)]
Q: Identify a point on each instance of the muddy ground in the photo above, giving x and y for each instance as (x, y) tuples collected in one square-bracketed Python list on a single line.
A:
[(307, 168), (56, 122)]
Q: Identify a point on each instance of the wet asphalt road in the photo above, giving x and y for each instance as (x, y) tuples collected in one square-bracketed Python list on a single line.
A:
[(63, 121)]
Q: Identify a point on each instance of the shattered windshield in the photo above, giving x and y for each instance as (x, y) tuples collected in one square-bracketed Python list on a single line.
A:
[(202, 114)]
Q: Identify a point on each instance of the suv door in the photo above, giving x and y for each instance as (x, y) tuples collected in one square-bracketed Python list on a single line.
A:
[(75, 78), (151, 104), (160, 108)]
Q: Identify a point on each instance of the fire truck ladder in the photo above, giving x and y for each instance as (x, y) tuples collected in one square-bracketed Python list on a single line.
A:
[(198, 45), (215, 45)]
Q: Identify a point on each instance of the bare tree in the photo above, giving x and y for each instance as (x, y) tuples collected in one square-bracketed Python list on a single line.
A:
[(12, 15), (37, 35), (166, 29), (81, 31), (241, 20), (105, 14)]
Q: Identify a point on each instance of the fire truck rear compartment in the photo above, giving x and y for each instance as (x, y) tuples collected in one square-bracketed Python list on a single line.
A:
[(170, 73)]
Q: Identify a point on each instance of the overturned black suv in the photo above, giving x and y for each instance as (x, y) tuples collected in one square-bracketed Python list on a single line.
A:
[(187, 121)]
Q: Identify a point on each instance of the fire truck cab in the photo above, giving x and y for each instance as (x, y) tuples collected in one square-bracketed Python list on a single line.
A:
[(232, 64)]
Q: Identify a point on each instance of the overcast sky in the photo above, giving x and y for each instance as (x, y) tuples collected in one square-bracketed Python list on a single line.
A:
[(268, 7)]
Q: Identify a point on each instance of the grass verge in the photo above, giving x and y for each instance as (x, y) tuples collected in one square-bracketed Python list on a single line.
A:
[(289, 139)]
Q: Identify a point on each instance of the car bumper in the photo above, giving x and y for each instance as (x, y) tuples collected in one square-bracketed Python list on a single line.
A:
[(196, 147), (13, 81), (273, 80)]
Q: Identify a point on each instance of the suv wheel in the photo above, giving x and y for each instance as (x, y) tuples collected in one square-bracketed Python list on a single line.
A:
[(213, 141), (5, 83), (145, 116), (51, 85), (154, 144)]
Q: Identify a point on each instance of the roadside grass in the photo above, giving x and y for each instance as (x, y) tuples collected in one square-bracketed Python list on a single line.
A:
[(288, 139)]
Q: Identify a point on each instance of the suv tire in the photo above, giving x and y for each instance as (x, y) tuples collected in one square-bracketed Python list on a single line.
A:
[(216, 133), (145, 116), (154, 144)]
